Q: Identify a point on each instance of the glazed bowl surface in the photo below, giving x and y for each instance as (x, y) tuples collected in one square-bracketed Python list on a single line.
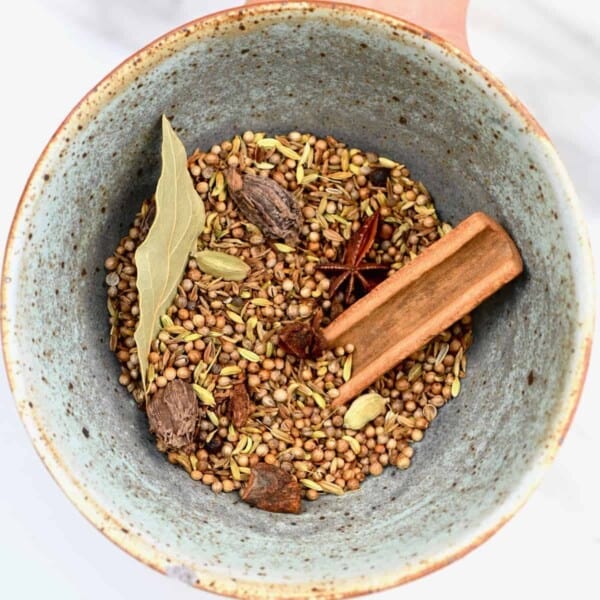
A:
[(377, 83)]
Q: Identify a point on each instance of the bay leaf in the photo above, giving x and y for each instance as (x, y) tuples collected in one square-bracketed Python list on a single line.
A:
[(223, 265), (363, 410), (162, 257)]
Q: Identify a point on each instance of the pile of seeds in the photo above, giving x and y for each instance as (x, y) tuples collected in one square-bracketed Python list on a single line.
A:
[(219, 334)]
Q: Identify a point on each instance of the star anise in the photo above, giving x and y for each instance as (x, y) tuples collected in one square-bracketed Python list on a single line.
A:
[(352, 268)]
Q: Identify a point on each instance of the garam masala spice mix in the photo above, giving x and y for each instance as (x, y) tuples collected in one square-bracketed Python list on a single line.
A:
[(217, 296)]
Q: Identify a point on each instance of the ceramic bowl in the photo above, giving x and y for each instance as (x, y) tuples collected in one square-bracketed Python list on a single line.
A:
[(375, 82)]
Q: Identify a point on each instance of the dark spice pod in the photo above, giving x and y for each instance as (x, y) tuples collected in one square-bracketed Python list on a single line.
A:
[(273, 489), (379, 176), (265, 203), (173, 414), (214, 445)]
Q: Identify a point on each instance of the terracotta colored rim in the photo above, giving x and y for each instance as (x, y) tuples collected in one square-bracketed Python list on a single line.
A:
[(141, 548)]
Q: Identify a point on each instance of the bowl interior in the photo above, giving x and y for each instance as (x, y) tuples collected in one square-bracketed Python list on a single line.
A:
[(375, 84)]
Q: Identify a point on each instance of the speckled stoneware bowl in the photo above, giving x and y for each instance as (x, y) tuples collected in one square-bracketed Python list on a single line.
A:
[(375, 82)]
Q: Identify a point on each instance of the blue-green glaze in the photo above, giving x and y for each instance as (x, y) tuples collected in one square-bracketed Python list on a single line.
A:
[(374, 82)]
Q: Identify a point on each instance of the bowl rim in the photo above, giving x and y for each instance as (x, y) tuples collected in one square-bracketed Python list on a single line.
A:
[(141, 548)]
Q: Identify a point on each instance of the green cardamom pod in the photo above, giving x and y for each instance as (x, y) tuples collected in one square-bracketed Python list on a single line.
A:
[(363, 410), (220, 264)]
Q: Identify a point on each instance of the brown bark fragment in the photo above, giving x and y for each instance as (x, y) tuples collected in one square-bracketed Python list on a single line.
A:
[(273, 489), (239, 407), (302, 339), (297, 339)]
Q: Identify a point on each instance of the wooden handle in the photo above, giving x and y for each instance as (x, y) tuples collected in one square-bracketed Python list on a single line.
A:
[(446, 18), (441, 285)]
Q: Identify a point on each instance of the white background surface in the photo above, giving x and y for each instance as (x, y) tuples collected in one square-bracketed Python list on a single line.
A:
[(54, 51)]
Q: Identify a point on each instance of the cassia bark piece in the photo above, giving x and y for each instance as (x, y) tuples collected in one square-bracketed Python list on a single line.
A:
[(239, 406), (273, 489)]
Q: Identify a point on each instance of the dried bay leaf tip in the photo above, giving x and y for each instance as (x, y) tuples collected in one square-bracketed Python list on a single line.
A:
[(239, 407), (363, 410), (266, 204), (222, 265), (173, 414), (273, 489)]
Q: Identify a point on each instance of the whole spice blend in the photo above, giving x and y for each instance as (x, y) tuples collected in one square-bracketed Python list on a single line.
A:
[(217, 296)]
